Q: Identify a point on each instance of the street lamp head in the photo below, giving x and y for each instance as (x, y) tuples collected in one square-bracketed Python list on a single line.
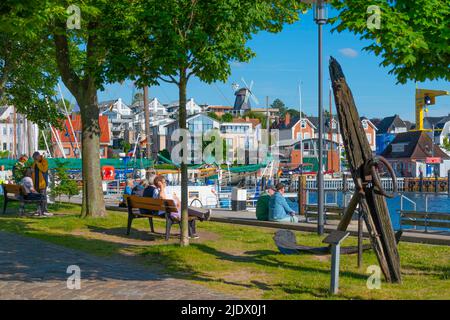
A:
[(320, 10)]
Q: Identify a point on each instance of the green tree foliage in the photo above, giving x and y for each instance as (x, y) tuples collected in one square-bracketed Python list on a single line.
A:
[(28, 73), (257, 115), (446, 144), (278, 104), (126, 146), (64, 184), (175, 40), (413, 38), (213, 115), (227, 117)]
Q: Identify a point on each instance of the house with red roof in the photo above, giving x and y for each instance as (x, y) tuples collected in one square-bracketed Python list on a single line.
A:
[(67, 143)]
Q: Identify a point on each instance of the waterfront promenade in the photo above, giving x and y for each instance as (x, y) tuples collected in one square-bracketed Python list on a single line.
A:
[(249, 218)]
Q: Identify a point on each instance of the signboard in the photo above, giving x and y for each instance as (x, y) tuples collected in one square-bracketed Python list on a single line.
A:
[(432, 160)]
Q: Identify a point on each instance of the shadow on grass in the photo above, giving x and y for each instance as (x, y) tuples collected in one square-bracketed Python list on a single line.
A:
[(267, 258), (135, 234)]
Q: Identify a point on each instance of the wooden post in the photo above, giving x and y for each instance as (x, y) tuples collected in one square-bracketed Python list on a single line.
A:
[(448, 182), (360, 237), (366, 178), (301, 195), (421, 181)]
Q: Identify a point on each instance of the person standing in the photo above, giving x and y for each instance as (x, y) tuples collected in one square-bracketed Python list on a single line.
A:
[(40, 177)]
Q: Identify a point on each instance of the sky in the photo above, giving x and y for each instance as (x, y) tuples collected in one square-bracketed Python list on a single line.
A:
[(286, 59)]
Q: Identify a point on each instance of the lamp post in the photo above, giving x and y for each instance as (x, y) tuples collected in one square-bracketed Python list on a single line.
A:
[(320, 19)]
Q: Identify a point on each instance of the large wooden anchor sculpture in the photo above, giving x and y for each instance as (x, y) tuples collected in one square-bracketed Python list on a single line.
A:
[(363, 165)]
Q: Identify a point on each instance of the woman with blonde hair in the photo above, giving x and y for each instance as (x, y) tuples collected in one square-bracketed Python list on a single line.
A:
[(160, 184)]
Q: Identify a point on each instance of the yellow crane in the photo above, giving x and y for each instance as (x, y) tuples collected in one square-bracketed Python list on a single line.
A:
[(425, 98)]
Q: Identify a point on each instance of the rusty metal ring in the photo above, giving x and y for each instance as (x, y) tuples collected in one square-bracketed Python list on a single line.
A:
[(377, 181)]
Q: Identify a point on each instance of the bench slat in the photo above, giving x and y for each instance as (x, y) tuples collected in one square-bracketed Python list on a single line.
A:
[(152, 204), (429, 215), (12, 188), (421, 223)]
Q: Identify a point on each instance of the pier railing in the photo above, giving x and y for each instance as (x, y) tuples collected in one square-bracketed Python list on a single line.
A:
[(338, 184)]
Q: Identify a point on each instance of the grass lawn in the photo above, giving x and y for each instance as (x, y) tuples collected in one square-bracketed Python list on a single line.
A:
[(238, 260)]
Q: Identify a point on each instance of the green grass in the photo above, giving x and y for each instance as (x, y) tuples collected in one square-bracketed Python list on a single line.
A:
[(240, 260)]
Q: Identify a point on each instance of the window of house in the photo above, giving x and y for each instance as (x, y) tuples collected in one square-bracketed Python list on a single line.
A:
[(4, 130), (333, 124), (5, 145), (365, 124), (306, 135), (67, 151), (369, 137), (303, 124)]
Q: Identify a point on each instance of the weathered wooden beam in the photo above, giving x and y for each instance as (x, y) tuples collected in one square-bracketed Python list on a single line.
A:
[(361, 160)]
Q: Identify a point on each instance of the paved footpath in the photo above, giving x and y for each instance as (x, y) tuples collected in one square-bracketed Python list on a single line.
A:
[(34, 269)]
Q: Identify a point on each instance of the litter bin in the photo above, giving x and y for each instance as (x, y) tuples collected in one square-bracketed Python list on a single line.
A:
[(238, 199)]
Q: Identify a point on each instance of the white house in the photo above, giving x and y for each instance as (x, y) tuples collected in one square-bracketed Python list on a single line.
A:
[(7, 132), (191, 107)]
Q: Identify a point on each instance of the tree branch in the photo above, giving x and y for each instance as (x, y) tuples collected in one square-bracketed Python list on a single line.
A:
[(68, 75), (172, 80)]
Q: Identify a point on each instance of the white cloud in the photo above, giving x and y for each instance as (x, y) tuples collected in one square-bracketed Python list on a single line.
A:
[(348, 52)]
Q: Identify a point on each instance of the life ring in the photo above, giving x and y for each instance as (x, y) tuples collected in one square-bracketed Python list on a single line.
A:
[(108, 173)]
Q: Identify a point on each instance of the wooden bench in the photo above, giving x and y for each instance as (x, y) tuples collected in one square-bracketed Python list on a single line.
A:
[(331, 212), (134, 203), (425, 219), (16, 193)]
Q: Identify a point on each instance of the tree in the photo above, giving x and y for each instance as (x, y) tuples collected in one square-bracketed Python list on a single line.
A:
[(28, 73), (227, 117), (412, 38), (278, 104), (81, 59), (176, 40), (213, 115), (65, 185), (446, 144)]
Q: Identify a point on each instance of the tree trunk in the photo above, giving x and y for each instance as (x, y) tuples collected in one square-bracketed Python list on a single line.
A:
[(184, 238), (93, 201)]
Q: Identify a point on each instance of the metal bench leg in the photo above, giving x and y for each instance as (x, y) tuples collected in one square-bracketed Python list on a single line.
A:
[(130, 220), (152, 229), (5, 201), (168, 227), (22, 208)]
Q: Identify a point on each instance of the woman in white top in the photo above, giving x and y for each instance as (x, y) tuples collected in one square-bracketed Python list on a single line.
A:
[(160, 184), (30, 192)]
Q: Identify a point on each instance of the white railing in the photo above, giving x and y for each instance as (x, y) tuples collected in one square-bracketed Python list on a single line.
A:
[(337, 184)]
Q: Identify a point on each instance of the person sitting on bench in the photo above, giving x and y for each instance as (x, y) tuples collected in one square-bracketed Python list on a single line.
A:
[(279, 209), (262, 205), (160, 184), (31, 193)]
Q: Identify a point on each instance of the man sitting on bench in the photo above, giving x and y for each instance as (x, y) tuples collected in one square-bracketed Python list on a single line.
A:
[(160, 184), (32, 194)]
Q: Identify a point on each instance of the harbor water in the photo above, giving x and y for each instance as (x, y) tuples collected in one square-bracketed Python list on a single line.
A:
[(422, 202)]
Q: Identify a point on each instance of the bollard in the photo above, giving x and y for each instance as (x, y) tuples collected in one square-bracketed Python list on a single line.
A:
[(421, 181), (335, 238)]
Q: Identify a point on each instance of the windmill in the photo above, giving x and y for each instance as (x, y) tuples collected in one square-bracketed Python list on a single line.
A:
[(242, 103)]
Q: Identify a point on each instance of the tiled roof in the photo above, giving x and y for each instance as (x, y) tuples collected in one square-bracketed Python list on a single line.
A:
[(416, 145), (387, 122), (76, 123)]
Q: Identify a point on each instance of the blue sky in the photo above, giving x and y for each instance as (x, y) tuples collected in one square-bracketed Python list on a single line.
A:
[(285, 59)]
